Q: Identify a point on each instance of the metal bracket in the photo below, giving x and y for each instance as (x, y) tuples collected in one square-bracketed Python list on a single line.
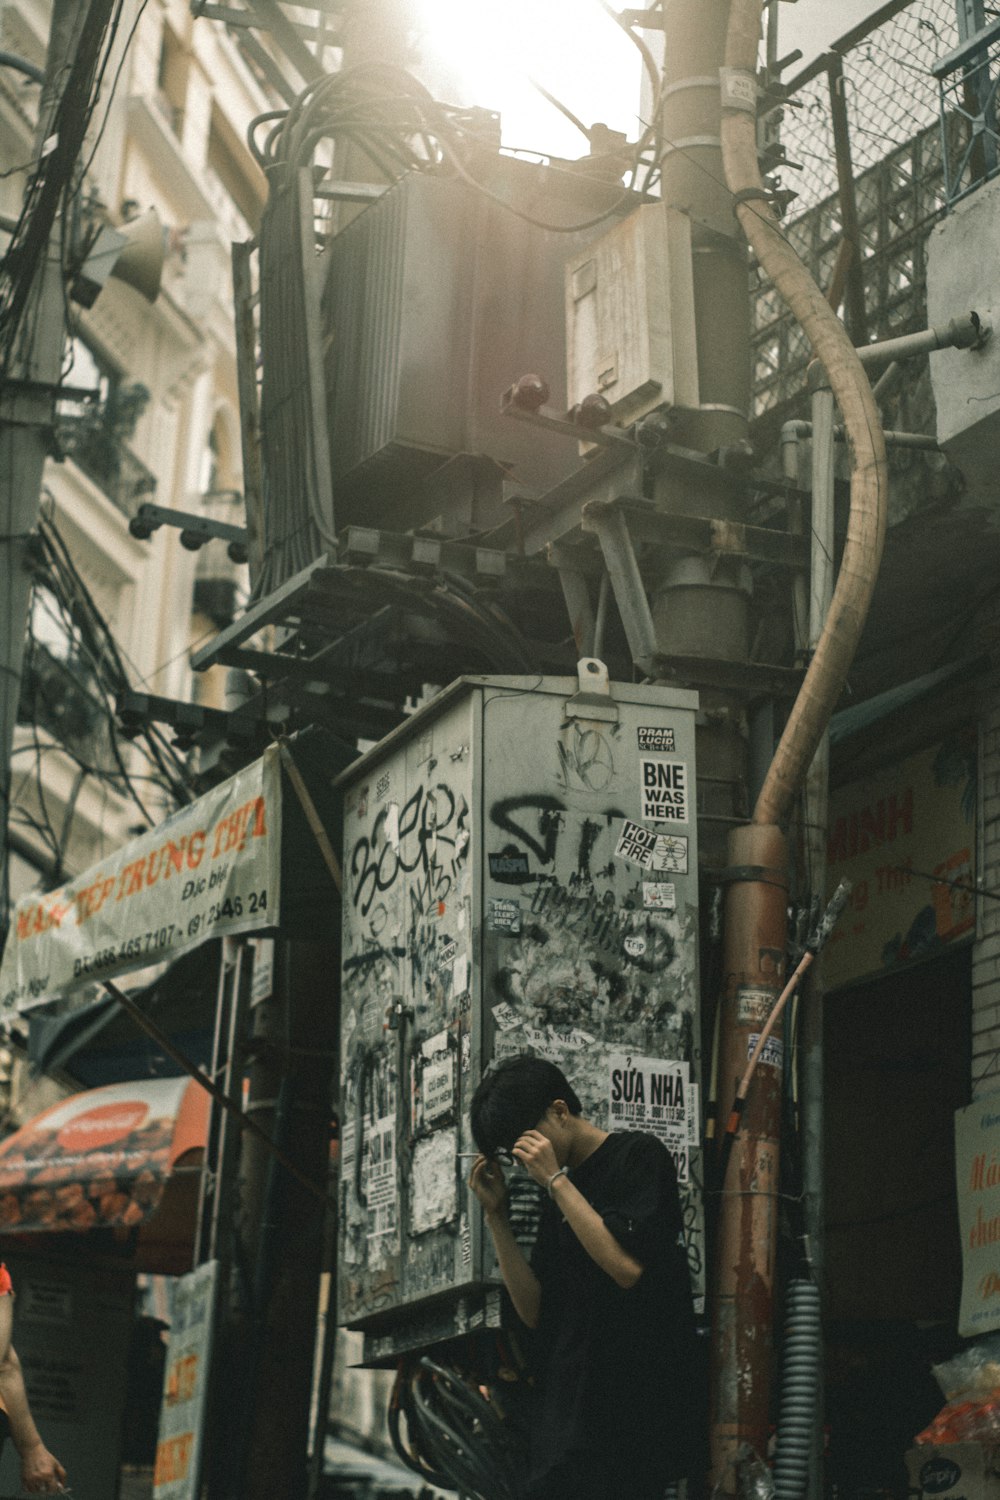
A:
[(593, 700), (195, 530), (611, 529)]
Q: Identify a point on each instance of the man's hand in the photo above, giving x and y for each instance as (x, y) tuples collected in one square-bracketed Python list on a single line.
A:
[(489, 1185), (534, 1151), (41, 1474)]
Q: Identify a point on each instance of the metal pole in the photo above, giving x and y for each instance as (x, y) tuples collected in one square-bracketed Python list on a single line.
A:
[(27, 397), (815, 808), (856, 313)]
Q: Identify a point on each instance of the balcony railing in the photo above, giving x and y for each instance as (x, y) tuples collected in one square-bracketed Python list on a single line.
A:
[(969, 78), (106, 460)]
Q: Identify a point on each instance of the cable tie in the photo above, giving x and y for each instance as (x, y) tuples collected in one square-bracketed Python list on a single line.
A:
[(750, 195)]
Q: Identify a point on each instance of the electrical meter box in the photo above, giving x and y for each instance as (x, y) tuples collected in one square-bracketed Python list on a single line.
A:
[(520, 875), (630, 331)]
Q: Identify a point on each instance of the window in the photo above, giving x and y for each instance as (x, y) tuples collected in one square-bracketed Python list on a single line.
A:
[(172, 80)]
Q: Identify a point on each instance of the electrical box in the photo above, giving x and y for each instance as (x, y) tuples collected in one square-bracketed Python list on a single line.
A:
[(520, 875), (630, 326)]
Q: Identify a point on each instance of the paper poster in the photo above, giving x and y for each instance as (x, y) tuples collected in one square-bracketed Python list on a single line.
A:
[(652, 1094), (437, 1079), (977, 1173)]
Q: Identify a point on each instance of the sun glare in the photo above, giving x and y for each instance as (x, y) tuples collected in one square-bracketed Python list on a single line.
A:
[(486, 52)]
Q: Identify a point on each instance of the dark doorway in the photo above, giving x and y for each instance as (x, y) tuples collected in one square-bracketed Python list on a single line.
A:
[(897, 1068)]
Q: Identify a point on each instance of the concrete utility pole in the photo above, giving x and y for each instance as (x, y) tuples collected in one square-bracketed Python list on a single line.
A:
[(32, 341), (702, 610)]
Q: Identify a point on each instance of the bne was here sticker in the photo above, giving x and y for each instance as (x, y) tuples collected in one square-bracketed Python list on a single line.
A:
[(664, 789)]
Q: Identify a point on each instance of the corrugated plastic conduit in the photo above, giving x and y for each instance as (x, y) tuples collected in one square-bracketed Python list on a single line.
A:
[(835, 650), (799, 1390)]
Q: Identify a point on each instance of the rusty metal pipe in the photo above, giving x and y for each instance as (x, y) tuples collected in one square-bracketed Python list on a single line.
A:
[(754, 971)]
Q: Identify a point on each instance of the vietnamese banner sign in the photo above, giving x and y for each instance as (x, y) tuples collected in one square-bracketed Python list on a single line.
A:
[(977, 1174), (177, 1475), (905, 837), (211, 868)]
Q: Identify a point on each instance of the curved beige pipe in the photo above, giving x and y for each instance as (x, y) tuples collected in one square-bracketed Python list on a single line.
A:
[(838, 643)]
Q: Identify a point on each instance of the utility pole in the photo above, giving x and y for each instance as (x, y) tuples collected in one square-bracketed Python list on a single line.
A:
[(702, 611), (32, 338), (266, 1350)]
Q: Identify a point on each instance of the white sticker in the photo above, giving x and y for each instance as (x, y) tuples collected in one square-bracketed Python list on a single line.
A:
[(693, 1099), (460, 975), (505, 1016), (772, 1053), (665, 853), (664, 787), (635, 947), (392, 825), (659, 895), (753, 1006), (503, 915), (262, 983), (670, 856), (466, 1051)]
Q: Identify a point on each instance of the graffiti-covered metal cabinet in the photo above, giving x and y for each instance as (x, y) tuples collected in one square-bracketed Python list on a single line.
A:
[(520, 876)]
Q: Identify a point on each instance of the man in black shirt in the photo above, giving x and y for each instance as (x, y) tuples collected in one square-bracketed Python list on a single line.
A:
[(607, 1287)]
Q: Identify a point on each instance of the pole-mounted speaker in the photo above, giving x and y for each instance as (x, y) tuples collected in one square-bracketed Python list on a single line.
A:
[(133, 254)]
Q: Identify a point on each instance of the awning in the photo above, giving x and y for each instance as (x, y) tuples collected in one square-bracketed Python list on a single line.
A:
[(125, 1157), (97, 1043)]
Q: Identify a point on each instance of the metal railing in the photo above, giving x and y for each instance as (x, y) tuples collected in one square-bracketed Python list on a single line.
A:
[(106, 460), (863, 128), (968, 79)]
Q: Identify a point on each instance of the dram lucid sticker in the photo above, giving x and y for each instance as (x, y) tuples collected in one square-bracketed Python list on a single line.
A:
[(658, 738)]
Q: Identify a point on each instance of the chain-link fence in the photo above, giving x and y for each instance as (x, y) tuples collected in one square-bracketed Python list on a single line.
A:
[(863, 125)]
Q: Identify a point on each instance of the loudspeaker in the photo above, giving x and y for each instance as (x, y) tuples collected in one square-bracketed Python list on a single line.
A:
[(133, 254)]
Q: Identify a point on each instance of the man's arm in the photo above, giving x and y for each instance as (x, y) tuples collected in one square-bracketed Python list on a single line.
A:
[(536, 1153), (41, 1474), (487, 1182)]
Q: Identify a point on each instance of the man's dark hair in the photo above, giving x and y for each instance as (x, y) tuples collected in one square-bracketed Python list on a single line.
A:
[(513, 1097)]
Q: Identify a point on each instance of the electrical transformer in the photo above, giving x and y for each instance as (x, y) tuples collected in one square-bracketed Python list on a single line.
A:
[(520, 875)]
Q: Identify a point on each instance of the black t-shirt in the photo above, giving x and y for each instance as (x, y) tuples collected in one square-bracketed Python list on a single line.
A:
[(617, 1367)]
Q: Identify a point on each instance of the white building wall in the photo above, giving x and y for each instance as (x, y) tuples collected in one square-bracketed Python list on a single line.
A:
[(182, 350)]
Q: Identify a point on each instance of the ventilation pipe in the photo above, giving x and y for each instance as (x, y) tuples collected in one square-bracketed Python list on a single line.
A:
[(756, 891)]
